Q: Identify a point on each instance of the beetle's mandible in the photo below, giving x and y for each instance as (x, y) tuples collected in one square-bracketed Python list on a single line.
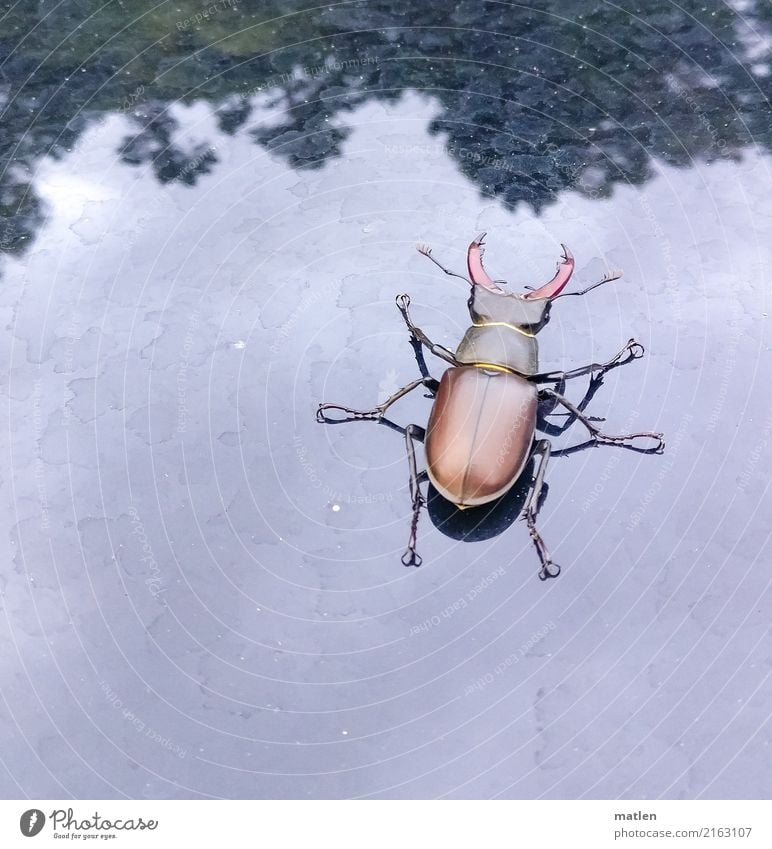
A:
[(482, 427)]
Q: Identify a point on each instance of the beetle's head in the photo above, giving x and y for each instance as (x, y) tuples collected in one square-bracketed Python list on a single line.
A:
[(489, 302)]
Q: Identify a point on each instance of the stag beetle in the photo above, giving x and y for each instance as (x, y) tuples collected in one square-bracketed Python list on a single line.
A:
[(482, 426)]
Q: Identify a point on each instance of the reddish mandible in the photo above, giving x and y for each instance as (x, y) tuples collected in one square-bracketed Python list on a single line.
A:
[(482, 427)]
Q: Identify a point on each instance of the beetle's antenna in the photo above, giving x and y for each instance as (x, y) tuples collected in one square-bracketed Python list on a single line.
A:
[(607, 278), (427, 252)]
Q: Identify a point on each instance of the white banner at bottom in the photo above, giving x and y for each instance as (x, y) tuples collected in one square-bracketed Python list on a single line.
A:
[(387, 824)]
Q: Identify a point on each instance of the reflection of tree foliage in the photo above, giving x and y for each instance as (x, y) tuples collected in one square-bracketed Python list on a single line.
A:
[(533, 100)]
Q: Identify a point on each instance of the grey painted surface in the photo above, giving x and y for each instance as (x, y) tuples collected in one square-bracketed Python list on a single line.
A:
[(202, 593)]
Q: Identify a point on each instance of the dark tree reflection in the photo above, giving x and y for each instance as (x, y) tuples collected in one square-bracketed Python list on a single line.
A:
[(535, 98)]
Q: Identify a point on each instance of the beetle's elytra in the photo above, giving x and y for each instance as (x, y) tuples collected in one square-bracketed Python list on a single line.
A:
[(482, 427)]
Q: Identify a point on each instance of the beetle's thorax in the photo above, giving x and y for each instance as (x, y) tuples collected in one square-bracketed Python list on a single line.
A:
[(503, 331), (527, 315)]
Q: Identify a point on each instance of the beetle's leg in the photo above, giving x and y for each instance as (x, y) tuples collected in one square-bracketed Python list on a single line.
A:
[(553, 429), (403, 302), (376, 414), (607, 278), (549, 569), (418, 351), (427, 252), (633, 350), (606, 438), (411, 557)]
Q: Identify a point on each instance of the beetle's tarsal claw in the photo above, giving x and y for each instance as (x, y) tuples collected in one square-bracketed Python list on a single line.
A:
[(636, 349), (423, 249), (549, 570), (411, 558), (628, 439), (403, 301)]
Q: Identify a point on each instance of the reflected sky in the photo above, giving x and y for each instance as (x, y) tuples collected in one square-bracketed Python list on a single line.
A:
[(528, 100), (204, 596)]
